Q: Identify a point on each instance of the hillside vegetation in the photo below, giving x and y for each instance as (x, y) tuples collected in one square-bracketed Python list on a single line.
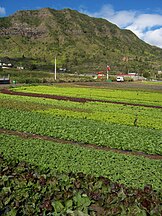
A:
[(81, 43)]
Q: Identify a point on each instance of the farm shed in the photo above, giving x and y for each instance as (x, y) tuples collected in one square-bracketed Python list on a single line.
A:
[(5, 80)]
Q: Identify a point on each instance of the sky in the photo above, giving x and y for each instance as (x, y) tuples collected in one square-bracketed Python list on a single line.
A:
[(143, 17)]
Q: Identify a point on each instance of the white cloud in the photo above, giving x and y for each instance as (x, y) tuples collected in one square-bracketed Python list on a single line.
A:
[(154, 37), (120, 18), (2, 11), (147, 27)]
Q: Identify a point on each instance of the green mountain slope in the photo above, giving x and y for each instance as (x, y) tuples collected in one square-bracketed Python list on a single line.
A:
[(80, 42)]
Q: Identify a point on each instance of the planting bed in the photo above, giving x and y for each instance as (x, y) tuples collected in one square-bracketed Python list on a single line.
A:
[(62, 129), (27, 191), (67, 98)]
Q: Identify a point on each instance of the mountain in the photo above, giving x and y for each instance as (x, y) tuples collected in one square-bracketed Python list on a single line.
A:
[(81, 43)]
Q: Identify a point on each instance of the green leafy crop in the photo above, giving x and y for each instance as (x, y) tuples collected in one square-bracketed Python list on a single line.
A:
[(134, 171), (27, 191)]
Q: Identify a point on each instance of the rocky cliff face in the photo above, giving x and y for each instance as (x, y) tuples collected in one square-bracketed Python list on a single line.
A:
[(23, 31)]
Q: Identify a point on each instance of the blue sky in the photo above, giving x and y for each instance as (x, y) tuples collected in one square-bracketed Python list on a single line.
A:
[(143, 17)]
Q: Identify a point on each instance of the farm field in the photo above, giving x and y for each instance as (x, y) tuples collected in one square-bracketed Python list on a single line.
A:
[(142, 86), (37, 193), (133, 96), (70, 158), (80, 127), (71, 121)]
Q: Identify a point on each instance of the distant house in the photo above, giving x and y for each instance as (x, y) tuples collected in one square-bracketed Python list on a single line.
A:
[(62, 69), (5, 65), (5, 80), (20, 67), (100, 74), (133, 76)]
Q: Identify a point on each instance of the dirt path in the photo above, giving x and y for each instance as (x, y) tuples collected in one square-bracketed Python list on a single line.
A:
[(92, 146), (81, 100)]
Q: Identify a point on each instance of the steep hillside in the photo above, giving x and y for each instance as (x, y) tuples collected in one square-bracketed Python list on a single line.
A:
[(80, 42)]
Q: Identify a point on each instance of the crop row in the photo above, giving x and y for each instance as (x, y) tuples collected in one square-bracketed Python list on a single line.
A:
[(110, 113), (83, 130), (27, 191), (139, 97), (134, 171)]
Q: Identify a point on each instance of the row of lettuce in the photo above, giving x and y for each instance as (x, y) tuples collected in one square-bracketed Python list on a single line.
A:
[(56, 187), (133, 96), (134, 171), (25, 190), (112, 113), (86, 131)]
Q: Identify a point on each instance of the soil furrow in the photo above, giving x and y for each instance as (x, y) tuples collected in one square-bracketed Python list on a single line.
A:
[(74, 99), (92, 146)]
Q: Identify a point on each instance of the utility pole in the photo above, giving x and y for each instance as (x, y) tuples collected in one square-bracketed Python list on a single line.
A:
[(107, 74), (108, 69), (55, 68)]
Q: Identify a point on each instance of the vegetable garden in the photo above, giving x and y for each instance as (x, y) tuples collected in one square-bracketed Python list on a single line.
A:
[(115, 126)]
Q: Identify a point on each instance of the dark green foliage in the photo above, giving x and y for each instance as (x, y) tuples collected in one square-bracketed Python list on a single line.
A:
[(27, 76), (5, 22), (83, 130), (133, 171), (27, 191)]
